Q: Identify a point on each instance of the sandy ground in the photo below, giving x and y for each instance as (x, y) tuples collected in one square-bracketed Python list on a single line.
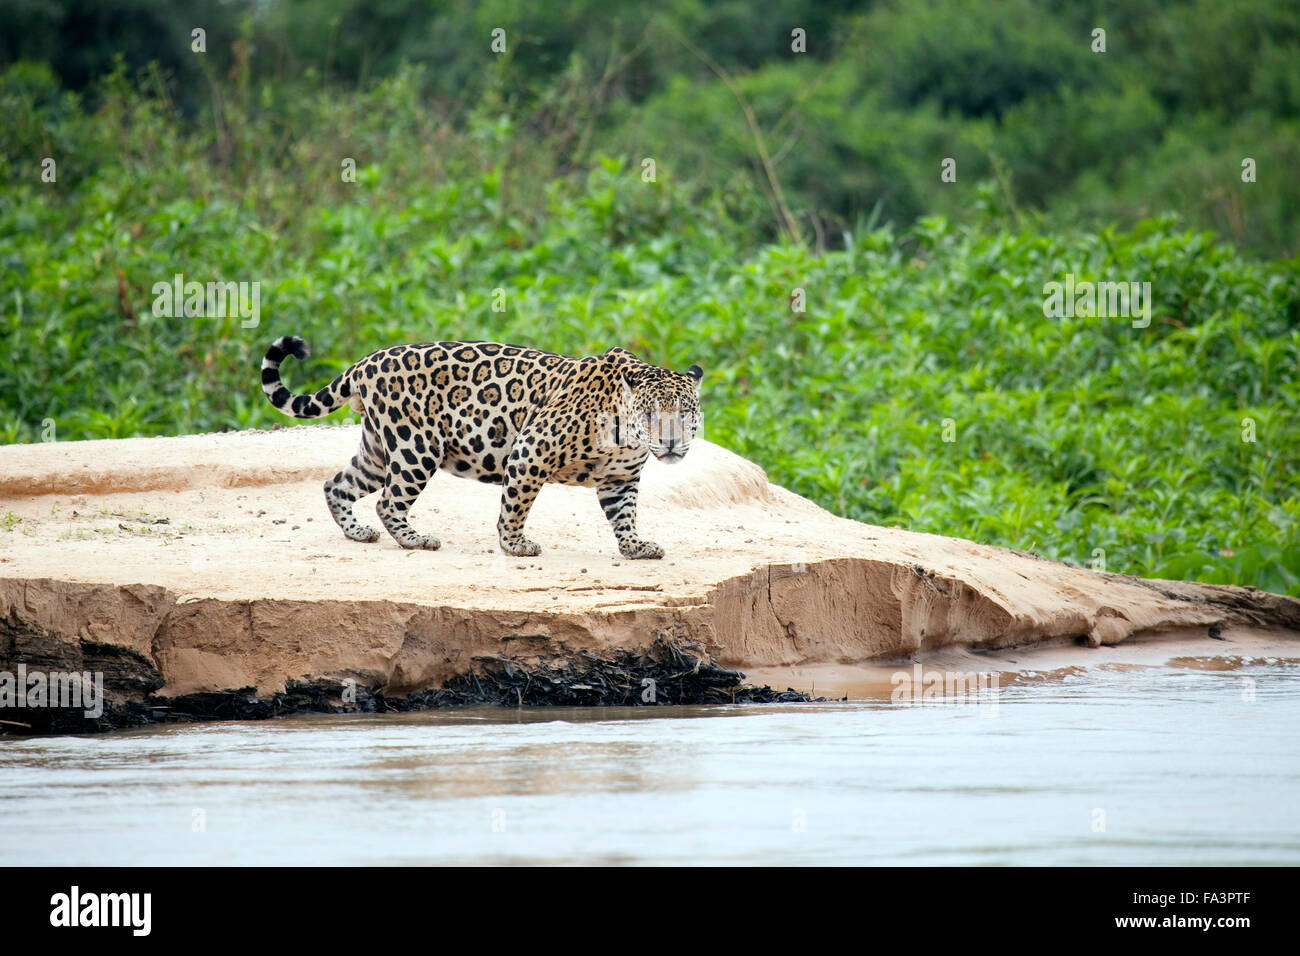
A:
[(242, 515), (215, 556)]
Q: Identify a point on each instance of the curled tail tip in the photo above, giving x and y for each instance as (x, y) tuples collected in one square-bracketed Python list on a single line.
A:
[(294, 345), (309, 405)]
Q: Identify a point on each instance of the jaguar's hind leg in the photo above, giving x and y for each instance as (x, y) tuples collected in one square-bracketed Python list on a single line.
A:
[(363, 475), (410, 466), (526, 472)]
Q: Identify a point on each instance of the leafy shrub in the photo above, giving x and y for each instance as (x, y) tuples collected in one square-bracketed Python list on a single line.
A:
[(1069, 435)]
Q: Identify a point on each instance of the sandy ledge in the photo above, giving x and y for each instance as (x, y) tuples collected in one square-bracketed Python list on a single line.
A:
[(214, 559)]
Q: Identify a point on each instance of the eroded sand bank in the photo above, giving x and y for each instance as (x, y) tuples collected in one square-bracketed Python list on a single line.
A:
[(214, 559)]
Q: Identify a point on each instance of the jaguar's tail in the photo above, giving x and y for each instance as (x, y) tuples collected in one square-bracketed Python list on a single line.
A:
[(333, 396)]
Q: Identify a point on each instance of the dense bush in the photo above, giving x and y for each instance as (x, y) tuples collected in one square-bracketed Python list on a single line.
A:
[(1068, 435), (857, 126)]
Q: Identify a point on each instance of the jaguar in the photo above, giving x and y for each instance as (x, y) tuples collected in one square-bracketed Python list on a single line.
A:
[(500, 414)]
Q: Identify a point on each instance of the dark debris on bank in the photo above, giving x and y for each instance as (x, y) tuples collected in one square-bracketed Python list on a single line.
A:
[(661, 674)]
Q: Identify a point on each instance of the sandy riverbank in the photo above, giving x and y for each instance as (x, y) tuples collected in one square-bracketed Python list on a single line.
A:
[(214, 559)]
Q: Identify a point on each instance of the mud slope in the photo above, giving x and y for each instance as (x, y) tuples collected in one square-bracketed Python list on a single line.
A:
[(211, 562)]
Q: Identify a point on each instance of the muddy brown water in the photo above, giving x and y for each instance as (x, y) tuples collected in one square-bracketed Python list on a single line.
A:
[(1181, 764)]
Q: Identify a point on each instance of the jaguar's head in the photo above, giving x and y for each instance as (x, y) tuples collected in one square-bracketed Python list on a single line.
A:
[(662, 409)]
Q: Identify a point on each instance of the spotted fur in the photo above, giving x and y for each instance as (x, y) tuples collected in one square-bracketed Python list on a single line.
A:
[(500, 414)]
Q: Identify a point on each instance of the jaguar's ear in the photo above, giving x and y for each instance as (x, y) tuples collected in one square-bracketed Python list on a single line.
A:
[(696, 373), (627, 390)]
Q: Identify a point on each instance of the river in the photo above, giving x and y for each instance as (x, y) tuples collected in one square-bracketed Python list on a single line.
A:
[(1133, 765)]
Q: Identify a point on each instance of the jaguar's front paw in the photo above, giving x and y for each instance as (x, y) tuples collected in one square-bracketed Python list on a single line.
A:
[(639, 548), (521, 548)]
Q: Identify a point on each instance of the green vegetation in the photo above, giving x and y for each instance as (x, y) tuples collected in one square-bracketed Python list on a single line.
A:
[(856, 126), (922, 386)]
